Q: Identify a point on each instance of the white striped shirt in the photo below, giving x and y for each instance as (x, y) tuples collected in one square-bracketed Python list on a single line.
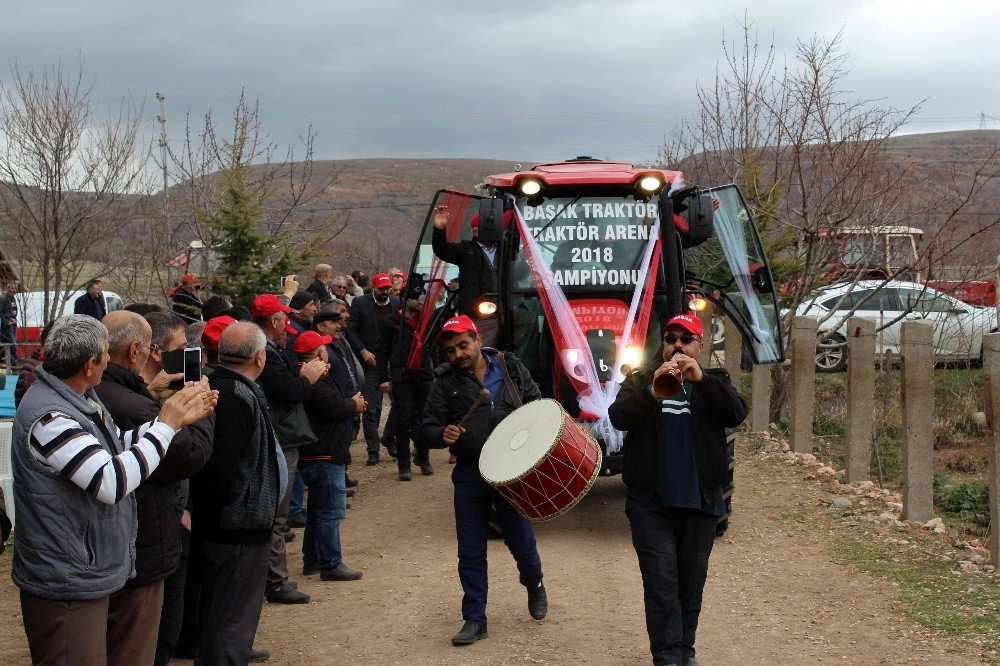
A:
[(60, 444)]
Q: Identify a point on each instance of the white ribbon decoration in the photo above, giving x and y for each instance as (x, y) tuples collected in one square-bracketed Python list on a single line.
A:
[(595, 398)]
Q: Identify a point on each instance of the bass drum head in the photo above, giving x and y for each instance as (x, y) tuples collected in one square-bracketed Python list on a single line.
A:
[(521, 441)]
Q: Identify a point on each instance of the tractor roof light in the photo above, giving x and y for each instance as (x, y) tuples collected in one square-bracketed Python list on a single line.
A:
[(529, 187), (650, 184)]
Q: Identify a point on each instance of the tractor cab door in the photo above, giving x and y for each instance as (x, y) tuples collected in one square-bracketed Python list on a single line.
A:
[(432, 280), (731, 270)]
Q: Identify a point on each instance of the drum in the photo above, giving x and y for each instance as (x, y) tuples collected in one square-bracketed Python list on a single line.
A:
[(541, 460)]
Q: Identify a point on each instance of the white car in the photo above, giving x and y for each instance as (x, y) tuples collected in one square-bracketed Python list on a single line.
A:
[(958, 327)]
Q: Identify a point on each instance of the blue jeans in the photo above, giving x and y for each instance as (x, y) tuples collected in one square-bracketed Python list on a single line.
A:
[(473, 500), (673, 547), (298, 495), (324, 513)]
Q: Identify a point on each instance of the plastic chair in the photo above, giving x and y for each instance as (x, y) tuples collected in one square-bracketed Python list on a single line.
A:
[(6, 467)]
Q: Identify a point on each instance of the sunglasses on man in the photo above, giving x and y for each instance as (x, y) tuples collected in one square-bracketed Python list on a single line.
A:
[(685, 338)]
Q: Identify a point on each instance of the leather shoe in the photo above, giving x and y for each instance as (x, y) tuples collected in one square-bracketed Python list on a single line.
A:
[(288, 536), (259, 655), (391, 450), (425, 468), (297, 519), (310, 569), (470, 633), (372, 459), (286, 594), (538, 602), (406, 475), (340, 572)]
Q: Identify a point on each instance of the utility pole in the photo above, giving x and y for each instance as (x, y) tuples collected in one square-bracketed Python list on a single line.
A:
[(162, 119)]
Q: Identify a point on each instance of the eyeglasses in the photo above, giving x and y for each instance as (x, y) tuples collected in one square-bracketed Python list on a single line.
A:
[(685, 338)]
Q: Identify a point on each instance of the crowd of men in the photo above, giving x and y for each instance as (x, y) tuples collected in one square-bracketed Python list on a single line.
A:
[(155, 493), (169, 510)]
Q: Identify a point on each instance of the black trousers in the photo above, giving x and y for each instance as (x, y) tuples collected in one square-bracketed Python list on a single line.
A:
[(231, 601), (172, 613), (408, 404), (673, 547)]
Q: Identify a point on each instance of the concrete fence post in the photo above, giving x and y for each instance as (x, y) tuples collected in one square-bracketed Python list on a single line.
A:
[(991, 381), (707, 339), (918, 420), (860, 398), (734, 352), (802, 387), (760, 408)]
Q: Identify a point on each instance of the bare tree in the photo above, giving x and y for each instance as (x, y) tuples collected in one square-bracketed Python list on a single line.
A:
[(67, 176), (810, 159), (287, 185)]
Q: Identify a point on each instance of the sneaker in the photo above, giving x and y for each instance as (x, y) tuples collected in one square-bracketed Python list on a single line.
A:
[(538, 602), (425, 468), (470, 633), (297, 519), (406, 475), (340, 572), (691, 661), (372, 459), (286, 594)]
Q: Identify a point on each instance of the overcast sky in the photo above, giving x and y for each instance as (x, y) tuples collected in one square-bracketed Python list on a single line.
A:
[(532, 81)]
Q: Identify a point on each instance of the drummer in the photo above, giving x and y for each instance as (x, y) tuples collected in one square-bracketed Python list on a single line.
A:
[(674, 469), (456, 394)]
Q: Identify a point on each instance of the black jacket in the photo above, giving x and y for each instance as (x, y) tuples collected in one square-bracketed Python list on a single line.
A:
[(452, 395), (235, 495), (394, 341), (282, 385), (476, 275), (157, 543), (320, 290), (362, 327), (330, 415), (95, 307), (715, 406)]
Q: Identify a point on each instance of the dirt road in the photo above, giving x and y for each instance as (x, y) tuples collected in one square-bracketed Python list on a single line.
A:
[(773, 597)]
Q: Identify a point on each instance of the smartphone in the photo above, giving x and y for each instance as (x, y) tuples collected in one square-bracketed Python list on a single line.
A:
[(281, 285), (192, 364)]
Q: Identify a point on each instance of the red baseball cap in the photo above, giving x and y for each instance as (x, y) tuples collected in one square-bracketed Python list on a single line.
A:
[(459, 324), (213, 331), (189, 279), (689, 323), (266, 305), (381, 280), (309, 340)]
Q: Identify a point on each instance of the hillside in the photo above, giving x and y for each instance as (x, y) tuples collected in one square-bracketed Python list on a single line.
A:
[(383, 202), (390, 197)]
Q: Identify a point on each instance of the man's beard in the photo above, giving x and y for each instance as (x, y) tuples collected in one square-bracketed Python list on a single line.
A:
[(381, 300)]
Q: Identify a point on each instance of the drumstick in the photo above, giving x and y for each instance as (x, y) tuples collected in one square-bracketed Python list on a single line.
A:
[(483, 395)]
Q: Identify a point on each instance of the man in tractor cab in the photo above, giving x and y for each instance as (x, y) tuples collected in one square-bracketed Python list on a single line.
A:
[(478, 272)]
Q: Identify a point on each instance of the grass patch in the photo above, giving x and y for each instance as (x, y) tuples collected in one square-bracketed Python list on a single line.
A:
[(965, 607)]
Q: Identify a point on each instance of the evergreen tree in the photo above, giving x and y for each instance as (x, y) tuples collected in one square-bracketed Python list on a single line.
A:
[(249, 262)]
